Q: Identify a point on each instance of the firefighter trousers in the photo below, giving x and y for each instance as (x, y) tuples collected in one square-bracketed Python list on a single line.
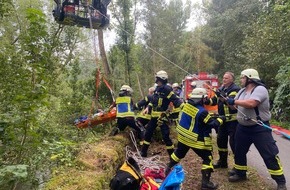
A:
[(205, 155), (122, 123), (226, 132), (263, 140), (165, 131)]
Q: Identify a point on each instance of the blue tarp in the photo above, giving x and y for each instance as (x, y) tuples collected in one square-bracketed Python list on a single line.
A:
[(174, 179)]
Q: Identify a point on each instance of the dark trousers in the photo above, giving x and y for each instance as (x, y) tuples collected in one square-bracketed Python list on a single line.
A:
[(165, 131), (205, 155), (226, 132), (143, 121), (263, 140), (122, 123)]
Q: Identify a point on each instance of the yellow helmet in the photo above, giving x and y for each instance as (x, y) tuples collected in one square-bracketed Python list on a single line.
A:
[(126, 88), (198, 93), (162, 75), (251, 74)]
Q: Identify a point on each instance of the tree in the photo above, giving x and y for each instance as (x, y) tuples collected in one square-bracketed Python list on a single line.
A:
[(165, 24), (228, 22), (126, 32)]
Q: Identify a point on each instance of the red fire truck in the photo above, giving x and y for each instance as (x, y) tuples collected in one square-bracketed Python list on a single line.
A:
[(199, 78)]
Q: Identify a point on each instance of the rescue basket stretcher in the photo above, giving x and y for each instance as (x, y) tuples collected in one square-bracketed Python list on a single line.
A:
[(99, 118)]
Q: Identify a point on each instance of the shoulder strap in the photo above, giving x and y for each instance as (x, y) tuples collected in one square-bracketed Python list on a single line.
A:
[(255, 108)]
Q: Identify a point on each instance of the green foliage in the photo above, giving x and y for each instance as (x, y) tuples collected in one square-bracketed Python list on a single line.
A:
[(281, 107), (226, 29), (5, 7), (12, 174), (267, 48)]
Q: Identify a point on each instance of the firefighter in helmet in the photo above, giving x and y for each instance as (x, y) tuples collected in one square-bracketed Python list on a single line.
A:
[(226, 133), (252, 103), (194, 129), (193, 85), (176, 88), (157, 107), (143, 119), (125, 114)]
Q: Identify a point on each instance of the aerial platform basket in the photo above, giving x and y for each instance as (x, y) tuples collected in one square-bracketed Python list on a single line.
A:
[(97, 119)]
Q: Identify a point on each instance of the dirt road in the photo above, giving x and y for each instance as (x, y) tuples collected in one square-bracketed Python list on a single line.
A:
[(256, 161)]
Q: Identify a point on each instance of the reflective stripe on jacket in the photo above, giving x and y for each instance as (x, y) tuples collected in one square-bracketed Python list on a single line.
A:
[(191, 130), (124, 107)]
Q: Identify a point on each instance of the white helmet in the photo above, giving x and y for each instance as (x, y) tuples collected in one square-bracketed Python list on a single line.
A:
[(198, 93), (175, 85), (126, 88), (251, 74), (193, 83), (162, 75)]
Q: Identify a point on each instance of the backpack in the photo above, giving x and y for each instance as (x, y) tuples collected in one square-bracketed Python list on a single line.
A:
[(127, 177)]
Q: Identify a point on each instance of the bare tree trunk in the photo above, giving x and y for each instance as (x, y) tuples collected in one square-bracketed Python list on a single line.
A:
[(103, 52)]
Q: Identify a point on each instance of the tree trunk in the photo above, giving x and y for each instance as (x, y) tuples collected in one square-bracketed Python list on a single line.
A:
[(103, 52)]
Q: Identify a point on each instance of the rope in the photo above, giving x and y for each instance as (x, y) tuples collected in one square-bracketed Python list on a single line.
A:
[(210, 87), (162, 56), (153, 162), (258, 122)]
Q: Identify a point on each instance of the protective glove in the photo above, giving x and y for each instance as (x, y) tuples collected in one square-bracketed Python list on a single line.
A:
[(220, 93), (223, 118), (135, 107), (206, 101), (173, 115), (231, 101)]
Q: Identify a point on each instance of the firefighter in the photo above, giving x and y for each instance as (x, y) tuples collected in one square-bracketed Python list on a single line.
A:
[(125, 114), (176, 89), (157, 107), (143, 119), (252, 103), (227, 131), (193, 85), (194, 129)]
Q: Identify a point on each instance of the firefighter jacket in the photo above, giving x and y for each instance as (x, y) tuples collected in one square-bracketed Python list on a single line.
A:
[(223, 108), (195, 124), (124, 106), (161, 99), (142, 104)]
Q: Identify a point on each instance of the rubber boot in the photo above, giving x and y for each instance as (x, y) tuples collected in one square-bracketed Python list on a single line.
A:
[(223, 160), (142, 131), (170, 151), (236, 178), (206, 183), (281, 187), (114, 131), (232, 172), (169, 166), (144, 150)]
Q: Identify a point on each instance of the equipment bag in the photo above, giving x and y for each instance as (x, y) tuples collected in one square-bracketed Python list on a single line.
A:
[(128, 176), (174, 179)]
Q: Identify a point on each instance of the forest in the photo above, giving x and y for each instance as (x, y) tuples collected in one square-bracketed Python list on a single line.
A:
[(48, 71)]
